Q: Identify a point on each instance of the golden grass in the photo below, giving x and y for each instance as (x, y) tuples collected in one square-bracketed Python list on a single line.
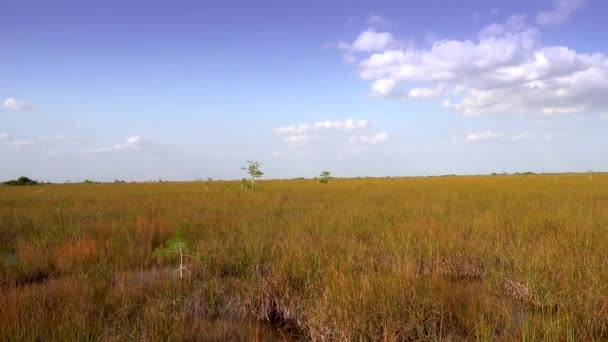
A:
[(490, 258)]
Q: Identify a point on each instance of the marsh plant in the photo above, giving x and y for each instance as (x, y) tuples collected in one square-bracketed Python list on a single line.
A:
[(324, 176), (175, 246), (253, 169)]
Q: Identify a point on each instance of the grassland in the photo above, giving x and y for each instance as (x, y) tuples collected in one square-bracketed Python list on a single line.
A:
[(487, 258)]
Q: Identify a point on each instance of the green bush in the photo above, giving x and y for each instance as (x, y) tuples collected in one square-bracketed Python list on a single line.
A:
[(22, 181)]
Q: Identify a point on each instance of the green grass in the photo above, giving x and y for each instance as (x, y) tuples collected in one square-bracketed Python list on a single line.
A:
[(489, 258)]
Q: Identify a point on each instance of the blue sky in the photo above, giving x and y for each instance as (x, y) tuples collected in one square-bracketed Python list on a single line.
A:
[(181, 90)]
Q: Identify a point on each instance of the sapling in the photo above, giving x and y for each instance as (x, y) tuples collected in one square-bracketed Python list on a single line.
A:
[(253, 169), (173, 246), (324, 176)]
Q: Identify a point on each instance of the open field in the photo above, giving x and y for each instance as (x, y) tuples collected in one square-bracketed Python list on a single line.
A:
[(488, 257)]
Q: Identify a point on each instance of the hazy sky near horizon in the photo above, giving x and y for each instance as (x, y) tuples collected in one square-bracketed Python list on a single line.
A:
[(180, 90)]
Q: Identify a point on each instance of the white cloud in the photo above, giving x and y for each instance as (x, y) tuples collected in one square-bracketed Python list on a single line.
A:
[(14, 104), (507, 69), (563, 110), (370, 139), (300, 138), (133, 143), (339, 136), (348, 124), (369, 41), (384, 87), (561, 11), (293, 129), (483, 136), (426, 92), (389, 87), (4, 136), (494, 136)]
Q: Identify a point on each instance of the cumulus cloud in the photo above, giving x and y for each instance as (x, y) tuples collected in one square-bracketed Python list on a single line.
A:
[(385, 87), (559, 13), (337, 134), (369, 41), (505, 69), (14, 104), (389, 87)]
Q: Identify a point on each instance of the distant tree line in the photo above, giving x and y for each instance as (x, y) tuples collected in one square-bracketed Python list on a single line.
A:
[(22, 181)]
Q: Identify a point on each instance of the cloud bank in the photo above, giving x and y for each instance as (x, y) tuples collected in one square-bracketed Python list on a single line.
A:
[(505, 69)]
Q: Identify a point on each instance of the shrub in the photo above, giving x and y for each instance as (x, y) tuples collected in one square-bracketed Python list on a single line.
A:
[(22, 181), (324, 176)]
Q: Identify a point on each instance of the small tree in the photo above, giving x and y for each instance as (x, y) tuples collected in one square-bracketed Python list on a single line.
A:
[(253, 169), (324, 176), (173, 246)]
